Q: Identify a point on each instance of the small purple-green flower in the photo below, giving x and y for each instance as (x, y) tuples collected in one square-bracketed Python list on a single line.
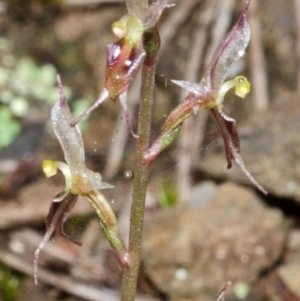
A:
[(125, 56), (209, 94), (80, 181)]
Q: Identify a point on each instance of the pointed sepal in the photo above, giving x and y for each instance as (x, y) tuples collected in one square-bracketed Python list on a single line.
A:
[(230, 50)]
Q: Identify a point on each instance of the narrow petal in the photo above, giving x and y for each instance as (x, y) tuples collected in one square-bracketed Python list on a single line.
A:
[(229, 134), (95, 181), (56, 202), (199, 92), (229, 51), (102, 185), (193, 88), (225, 134), (55, 207), (148, 14), (239, 161), (123, 101), (59, 210), (152, 14), (69, 137), (231, 126), (103, 96)]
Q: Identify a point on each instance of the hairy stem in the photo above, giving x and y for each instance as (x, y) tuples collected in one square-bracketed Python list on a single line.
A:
[(141, 171)]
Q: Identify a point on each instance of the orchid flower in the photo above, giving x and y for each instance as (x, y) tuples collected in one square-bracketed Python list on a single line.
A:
[(209, 93), (125, 57), (80, 181)]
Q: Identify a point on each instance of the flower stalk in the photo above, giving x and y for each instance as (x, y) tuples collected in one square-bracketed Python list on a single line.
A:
[(141, 171)]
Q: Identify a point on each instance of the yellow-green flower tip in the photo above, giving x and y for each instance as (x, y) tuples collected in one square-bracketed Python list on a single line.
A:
[(242, 86), (119, 28), (129, 27), (49, 168)]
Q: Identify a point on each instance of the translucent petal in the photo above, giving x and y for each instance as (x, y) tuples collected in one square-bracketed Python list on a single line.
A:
[(103, 96), (229, 51), (148, 14), (58, 212), (153, 13), (96, 180), (69, 137), (191, 87), (123, 101), (199, 92), (102, 185), (239, 161)]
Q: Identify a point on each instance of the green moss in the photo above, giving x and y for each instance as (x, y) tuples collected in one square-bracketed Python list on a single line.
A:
[(9, 284), (9, 127), (23, 83)]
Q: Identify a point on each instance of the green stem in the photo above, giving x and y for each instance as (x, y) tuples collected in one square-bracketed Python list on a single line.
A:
[(141, 171)]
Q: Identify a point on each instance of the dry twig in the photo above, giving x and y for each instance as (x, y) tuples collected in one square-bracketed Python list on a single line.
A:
[(60, 281), (259, 76), (178, 16), (297, 17)]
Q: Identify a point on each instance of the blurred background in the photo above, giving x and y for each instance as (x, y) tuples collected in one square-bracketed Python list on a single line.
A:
[(204, 225)]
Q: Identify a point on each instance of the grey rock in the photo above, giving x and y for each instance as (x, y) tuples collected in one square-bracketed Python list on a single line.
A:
[(202, 193), (190, 253), (289, 270), (290, 276)]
